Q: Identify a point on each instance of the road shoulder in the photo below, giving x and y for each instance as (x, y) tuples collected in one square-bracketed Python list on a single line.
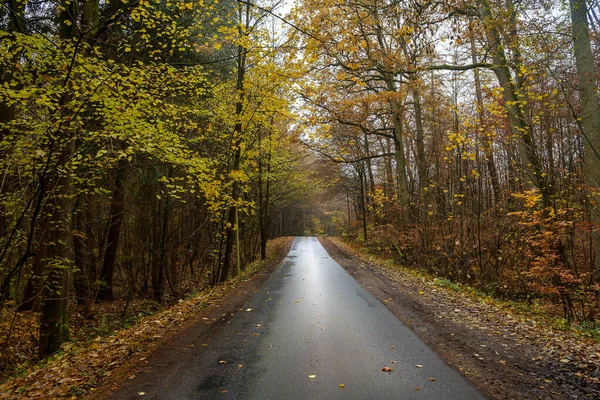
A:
[(125, 360), (187, 344), (503, 355)]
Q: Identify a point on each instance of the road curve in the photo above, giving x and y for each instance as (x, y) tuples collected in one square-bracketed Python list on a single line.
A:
[(309, 329)]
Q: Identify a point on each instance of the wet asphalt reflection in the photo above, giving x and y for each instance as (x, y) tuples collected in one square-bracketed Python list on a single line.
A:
[(312, 332)]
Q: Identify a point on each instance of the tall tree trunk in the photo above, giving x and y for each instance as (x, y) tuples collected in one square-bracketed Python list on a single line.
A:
[(159, 238), (420, 140), (487, 139), (590, 114), (363, 178), (263, 195), (261, 206), (389, 175), (16, 24), (117, 209), (530, 161), (371, 186), (237, 141), (33, 288), (85, 241), (89, 18), (54, 325), (400, 160)]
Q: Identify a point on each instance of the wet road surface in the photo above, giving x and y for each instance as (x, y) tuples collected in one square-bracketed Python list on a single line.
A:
[(310, 328)]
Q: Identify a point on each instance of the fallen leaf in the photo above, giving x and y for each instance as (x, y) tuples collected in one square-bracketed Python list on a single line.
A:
[(342, 385), (421, 292), (312, 376)]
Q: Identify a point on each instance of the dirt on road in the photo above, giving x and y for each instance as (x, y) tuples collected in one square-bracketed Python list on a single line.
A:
[(505, 355)]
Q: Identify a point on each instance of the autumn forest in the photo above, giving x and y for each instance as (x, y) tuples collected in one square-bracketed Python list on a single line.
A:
[(151, 150)]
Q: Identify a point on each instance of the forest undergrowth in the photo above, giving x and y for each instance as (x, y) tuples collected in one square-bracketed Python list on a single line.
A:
[(92, 355), (547, 310)]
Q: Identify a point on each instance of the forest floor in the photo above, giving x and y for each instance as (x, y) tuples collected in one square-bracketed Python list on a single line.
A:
[(93, 368), (505, 353)]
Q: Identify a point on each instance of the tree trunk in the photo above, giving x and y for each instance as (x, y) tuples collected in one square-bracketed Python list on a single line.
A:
[(237, 141), (159, 236), (54, 327), (117, 209), (420, 141), (371, 187), (33, 288), (85, 240), (590, 114), (487, 139), (363, 178), (16, 24), (531, 164), (263, 198), (400, 160)]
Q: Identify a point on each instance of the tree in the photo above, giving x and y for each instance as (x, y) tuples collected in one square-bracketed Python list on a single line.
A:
[(590, 112)]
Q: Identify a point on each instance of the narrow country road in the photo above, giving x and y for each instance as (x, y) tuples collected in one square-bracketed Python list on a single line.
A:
[(309, 329)]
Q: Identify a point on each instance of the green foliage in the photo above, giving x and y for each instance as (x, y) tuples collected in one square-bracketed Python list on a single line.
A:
[(446, 283), (118, 130)]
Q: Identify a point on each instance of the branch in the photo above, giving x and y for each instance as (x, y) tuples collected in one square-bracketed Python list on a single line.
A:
[(285, 21), (341, 160), (447, 67)]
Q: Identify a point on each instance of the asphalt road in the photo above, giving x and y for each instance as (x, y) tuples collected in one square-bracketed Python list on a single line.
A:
[(309, 329)]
